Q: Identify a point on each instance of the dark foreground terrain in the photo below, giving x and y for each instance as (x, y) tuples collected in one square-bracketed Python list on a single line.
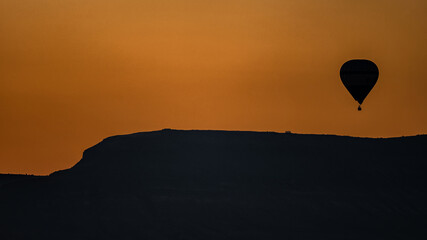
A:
[(173, 184)]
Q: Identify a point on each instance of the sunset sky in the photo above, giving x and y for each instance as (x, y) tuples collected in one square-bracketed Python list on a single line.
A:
[(73, 72)]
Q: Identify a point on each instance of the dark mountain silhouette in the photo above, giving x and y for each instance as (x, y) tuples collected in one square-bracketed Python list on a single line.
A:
[(174, 184), (9, 178)]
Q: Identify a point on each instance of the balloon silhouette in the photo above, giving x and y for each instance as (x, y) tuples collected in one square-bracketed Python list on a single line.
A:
[(359, 77)]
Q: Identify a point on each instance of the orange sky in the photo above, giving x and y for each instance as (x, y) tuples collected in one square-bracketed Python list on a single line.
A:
[(73, 72)]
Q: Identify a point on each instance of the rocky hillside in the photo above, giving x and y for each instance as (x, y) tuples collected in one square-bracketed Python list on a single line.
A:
[(174, 184)]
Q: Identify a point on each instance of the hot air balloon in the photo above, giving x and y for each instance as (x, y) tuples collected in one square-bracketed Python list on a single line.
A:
[(359, 77)]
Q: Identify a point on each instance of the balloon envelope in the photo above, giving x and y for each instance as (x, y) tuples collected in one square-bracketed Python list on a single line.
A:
[(359, 77)]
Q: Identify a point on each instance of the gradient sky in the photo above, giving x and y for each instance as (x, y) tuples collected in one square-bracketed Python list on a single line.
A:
[(73, 72)]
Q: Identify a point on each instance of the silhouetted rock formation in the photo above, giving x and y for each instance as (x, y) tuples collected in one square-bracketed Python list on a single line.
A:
[(173, 184), (11, 178)]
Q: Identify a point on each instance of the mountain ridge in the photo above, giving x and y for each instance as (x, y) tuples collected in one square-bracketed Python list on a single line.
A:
[(206, 184)]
